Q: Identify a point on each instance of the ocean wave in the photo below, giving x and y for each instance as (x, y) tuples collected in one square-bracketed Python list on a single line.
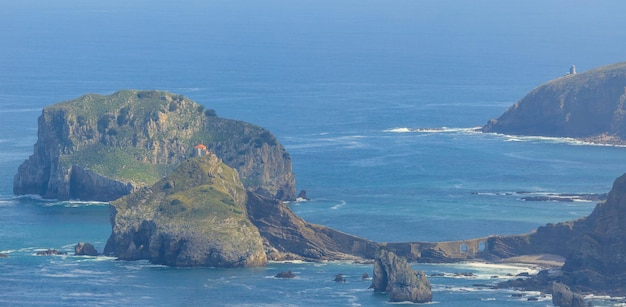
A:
[(433, 130), (20, 110), (567, 199), (348, 141), (339, 205), (550, 139), (75, 203), (7, 202), (485, 271)]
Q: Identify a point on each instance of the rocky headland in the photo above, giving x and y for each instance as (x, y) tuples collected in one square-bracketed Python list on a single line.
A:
[(589, 106), (195, 216), (103, 147), (201, 215)]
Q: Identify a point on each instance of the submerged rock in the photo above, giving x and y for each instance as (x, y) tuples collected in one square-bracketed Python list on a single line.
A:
[(340, 278), (50, 252), (284, 274), (394, 276)]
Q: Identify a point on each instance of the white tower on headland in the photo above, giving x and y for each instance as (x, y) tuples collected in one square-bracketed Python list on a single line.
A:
[(572, 70)]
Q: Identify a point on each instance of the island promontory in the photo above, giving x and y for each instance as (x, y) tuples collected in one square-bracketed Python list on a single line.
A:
[(196, 216), (100, 147), (201, 215), (588, 106)]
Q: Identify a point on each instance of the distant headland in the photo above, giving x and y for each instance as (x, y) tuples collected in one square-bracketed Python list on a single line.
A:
[(589, 106)]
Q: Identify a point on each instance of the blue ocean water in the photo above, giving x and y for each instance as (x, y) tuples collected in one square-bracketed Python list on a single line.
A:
[(343, 86)]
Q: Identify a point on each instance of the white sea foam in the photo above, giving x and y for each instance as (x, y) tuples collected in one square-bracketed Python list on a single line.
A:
[(398, 130), (75, 203), (549, 139), (339, 205), (21, 110), (7, 202), (433, 130)]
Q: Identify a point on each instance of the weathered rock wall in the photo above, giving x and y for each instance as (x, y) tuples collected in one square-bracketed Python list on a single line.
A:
[(597, 262), (196, 216), (288, 236), (136, 138)]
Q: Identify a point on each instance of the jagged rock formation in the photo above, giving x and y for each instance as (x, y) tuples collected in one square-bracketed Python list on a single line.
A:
[(394, 276), (200, 215), (588, 105), (593, 247), (196, 216), (596, 264), (288, 237), (103, 147), (562, 296), (85, 249)]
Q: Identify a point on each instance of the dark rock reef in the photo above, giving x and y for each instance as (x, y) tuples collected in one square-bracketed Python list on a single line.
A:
[(285, 275), (588, 106), (103, 147), (394, 276), (50, 252), (196, 216)]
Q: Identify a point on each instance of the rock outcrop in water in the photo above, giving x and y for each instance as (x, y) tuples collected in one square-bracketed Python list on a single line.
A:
[(394, 276), (589, 106), (103, 147), (196, 216), (85, 249), (562, 296)]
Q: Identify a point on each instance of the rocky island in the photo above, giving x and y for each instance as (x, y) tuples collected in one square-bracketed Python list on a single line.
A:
[(589, 106), (101, 148)]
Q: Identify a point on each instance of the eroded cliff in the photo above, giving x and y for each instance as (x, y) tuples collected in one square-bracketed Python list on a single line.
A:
[(196, 216), (103, 147)]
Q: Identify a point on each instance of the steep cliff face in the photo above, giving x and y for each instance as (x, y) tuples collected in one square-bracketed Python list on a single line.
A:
[(287, 236), (196, 216), (132, 139), (589, 105), (597, 263)]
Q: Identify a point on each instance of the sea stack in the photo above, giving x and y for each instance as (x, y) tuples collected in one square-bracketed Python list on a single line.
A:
[(394, 276)]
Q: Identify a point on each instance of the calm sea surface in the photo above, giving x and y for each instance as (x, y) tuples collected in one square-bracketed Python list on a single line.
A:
[(344, 86)]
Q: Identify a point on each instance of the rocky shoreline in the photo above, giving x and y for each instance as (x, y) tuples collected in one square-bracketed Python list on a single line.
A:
[(210, 191)]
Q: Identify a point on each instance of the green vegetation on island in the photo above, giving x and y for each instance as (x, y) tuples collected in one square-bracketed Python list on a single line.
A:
[(131, 139)]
